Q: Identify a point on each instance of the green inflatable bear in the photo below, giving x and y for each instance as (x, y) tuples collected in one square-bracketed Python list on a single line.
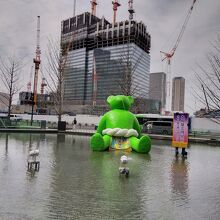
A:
[(120, 123)]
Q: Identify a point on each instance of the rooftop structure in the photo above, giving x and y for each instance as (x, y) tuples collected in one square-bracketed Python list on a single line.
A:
[(87, 30)]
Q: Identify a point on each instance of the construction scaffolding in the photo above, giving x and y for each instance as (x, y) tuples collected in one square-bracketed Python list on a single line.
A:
[(92, 32)]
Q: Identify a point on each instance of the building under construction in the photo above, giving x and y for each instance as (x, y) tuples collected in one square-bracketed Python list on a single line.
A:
[(104, 59)]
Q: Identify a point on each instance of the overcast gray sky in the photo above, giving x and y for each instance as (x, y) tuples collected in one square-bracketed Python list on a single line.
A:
[(163, 18)]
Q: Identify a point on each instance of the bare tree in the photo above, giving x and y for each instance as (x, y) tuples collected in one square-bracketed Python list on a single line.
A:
[(208, 87), (10, 69), (126, 83), (57, 60)]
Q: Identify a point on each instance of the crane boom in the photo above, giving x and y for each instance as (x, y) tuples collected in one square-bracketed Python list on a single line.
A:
[(37, 61), (184, 26), (169, 55), (74, 8)]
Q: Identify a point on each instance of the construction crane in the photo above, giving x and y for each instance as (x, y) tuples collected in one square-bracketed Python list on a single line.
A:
[(116, 4), (94, 96), (37, 62), (42, 102), (131, 10), (74, 8), (94, 82), (29, 83), (93, 6), (168, 55)]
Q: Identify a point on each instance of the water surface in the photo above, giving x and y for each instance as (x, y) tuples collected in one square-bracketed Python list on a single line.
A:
[(75, 183)]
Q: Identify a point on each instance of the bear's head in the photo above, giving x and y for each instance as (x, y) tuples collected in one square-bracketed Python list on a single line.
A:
[(120, 102)]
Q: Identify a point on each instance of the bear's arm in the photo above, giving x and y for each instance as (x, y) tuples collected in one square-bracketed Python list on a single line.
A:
[(102, 125), (136, 126)]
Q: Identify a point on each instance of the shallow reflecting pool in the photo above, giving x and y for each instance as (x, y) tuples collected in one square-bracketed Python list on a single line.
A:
[(75, 183)]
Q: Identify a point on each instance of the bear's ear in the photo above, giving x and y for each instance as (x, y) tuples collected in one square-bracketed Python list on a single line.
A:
[(109, 99), (131, 100)]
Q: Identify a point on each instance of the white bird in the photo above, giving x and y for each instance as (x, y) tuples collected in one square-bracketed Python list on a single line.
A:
[(123, 169), (124, 159), (34, 152)]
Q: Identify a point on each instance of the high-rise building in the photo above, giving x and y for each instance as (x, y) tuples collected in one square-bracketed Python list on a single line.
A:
[(178, 94), (158, 87), (4, 102), (104, 59)]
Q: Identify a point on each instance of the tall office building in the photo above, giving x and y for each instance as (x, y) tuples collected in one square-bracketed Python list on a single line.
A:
[(158, 87), (178, 94), (104, 59)]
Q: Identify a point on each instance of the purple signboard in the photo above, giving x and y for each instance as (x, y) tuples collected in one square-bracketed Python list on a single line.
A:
[(180, 130)]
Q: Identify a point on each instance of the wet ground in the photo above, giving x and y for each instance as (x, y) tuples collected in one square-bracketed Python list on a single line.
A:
[(75, 183)]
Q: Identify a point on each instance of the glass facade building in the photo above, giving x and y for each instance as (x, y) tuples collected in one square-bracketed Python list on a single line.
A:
[(105, 60), (158, 87), (178, 94), (74, 78)]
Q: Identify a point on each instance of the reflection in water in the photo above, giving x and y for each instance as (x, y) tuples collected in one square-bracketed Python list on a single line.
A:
[(77, 183), (30, 143), (70, 179), (115, 192), (6, 145), (4, 157), (179, 179), (32, 169), (30, 172), (43, 137), (33, 142), (61, 138)]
